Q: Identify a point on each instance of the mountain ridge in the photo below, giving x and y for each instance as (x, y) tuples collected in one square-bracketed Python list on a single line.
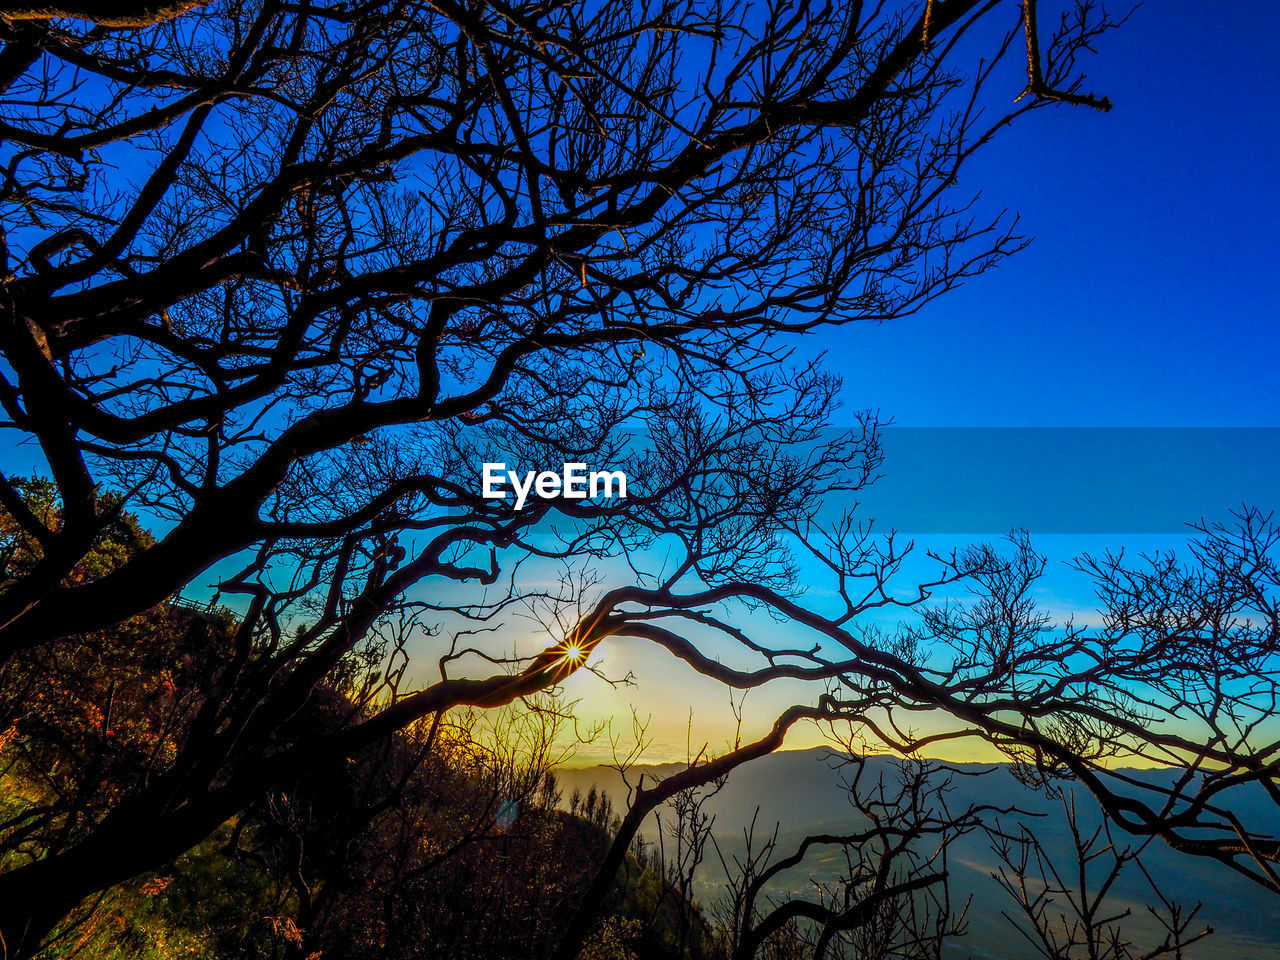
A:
[(802, 793)]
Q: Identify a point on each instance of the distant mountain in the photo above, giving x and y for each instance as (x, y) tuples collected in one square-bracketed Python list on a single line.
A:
[(802, 792)]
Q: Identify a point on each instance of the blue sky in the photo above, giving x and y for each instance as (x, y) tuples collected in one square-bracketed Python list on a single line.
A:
[(1150, 294)]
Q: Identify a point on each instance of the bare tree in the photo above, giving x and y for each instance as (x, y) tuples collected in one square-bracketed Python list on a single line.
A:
[(369, 244), (1068, 911), (687, 828), (283, 275), (892, 900)]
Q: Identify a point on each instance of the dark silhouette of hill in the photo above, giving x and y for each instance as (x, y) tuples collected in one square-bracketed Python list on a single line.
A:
[(802, 792)]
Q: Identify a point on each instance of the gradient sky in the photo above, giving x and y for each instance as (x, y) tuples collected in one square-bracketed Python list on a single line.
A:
[(1149, 297)]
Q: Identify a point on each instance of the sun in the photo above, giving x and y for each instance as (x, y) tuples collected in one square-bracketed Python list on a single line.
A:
[(573, 652)]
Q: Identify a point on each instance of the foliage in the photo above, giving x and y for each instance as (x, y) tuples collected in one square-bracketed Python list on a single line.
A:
[(90, 718)]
